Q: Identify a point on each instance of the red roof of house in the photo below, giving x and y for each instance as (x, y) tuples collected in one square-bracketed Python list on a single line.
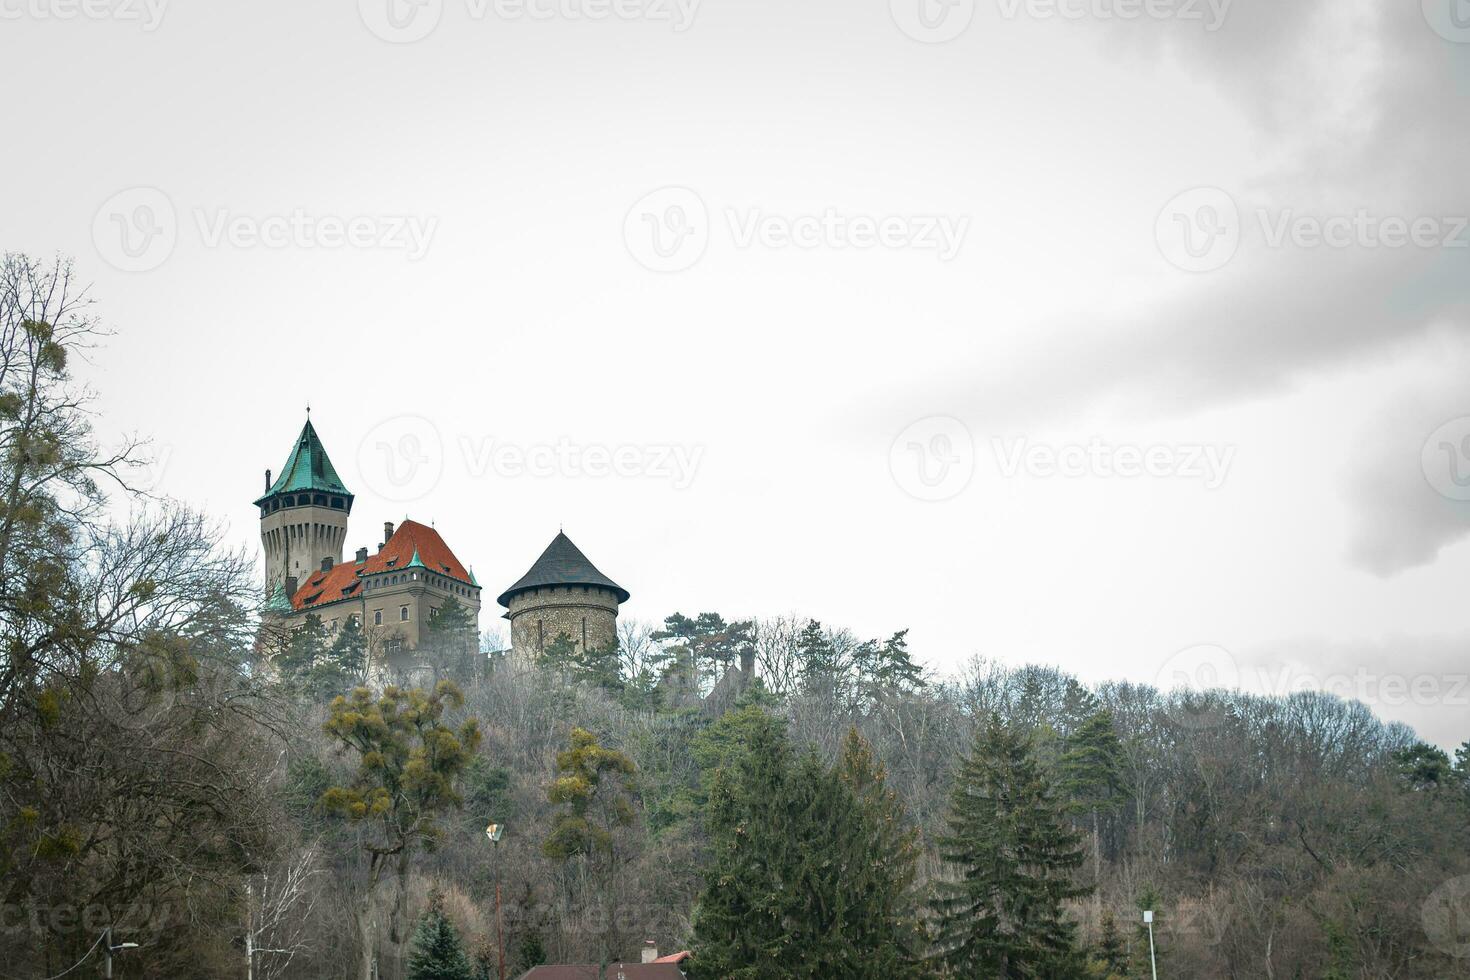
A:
[(674, 957), (411, 539)]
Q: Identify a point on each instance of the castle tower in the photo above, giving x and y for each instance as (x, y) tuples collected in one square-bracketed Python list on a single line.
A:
[(563, 593), (303, 516)]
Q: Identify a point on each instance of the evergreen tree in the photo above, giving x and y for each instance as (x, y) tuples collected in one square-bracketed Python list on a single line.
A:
[(884, 854), (437, 953), (706, 641), (1014, 856), (1424, 766), (811, 868), (348, 655), (305, 647), (1462, 767), (1145, 950), (1090, 775), (1112, 954)]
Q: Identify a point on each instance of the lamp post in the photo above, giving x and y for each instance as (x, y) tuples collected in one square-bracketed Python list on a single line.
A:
[(108, 949), (1153, 964), (496, 831)]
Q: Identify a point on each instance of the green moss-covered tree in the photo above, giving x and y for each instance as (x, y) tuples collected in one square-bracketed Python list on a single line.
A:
[(595, 792), (1013, 857), (410, 764)]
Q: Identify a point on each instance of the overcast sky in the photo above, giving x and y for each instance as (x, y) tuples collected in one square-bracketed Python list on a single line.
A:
[(1125, 336)]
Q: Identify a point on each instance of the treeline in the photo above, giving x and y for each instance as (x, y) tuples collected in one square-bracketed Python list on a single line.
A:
[(779, 796)]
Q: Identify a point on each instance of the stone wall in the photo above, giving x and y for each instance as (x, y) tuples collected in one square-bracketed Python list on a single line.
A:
[(588, 615)]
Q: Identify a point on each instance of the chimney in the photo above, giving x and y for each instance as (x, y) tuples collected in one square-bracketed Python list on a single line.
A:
[(650, 951), (290, 585), (747, 663), (267, 481), (326, 564), (361, 555), (387, 531)]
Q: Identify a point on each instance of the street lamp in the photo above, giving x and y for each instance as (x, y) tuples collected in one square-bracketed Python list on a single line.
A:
[(108, 949), (496, 831), (1153, 964)]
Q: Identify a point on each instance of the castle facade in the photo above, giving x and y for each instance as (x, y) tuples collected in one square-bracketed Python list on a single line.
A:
[(394, 592)]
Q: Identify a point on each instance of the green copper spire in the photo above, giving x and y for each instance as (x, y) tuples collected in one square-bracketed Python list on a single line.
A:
[(279, 604), (308, 468)]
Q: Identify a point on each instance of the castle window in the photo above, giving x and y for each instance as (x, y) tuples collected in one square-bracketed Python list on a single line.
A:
[(290, 501), (403, 614), (337, 503), (377, 617)]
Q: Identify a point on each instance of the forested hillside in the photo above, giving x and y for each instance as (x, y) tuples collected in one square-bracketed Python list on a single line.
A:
[(238, 801)]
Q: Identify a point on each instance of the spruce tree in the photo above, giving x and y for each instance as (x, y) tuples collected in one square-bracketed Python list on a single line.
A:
[(437, 953), (1014, 856), (885, 922), (1090, 773), (1112, 953), (811, 869)]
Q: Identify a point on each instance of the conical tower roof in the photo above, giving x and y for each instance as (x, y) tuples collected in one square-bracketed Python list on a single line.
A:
[(307, 468), (562, 563)]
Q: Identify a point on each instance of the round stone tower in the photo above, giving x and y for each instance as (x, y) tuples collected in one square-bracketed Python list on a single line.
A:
[(563, 594)]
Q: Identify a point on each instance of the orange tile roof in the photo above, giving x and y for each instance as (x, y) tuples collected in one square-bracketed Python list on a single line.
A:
[(343, 581)]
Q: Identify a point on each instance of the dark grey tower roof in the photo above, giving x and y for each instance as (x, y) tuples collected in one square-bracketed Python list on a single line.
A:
[(562, 563)]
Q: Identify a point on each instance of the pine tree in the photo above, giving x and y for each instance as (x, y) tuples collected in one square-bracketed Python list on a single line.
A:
[(1424, 766), (1014, 856), (437, 953)]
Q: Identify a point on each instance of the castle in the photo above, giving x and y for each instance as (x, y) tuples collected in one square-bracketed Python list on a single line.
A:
[(394, 592)]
